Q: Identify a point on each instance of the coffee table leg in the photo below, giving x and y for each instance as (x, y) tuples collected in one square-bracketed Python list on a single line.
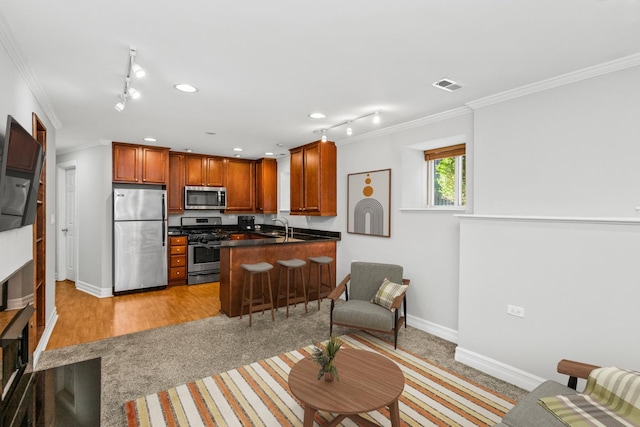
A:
[(394, 413), (309, 412)]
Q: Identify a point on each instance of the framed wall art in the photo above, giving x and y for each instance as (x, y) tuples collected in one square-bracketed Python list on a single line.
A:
[(369, 203)]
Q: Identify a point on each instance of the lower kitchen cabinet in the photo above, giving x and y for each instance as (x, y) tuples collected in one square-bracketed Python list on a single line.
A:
[(177, 260)]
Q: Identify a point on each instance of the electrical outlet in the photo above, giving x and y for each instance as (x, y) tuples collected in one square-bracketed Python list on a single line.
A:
[(514, 310)]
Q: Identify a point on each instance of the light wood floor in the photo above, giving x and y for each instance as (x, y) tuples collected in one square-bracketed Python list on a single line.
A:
[(83, 318)]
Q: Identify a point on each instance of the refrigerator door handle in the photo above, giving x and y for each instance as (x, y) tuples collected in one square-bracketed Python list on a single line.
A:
[(163, 223)]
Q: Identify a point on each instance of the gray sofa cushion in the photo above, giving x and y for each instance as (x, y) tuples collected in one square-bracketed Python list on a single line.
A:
[(363, 314), (529, 413)]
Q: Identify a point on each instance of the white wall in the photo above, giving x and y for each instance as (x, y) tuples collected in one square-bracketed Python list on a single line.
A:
[(424, 242), (94, 232), (568, 156), (16, 246)]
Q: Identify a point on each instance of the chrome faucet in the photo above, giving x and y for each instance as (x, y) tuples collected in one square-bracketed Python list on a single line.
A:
[(286, 226)]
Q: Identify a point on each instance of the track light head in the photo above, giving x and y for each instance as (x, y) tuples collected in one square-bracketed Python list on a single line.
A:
[(138, 70), (133, 93)]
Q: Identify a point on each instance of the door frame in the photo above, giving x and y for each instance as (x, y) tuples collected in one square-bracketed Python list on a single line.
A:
[(61, 206)]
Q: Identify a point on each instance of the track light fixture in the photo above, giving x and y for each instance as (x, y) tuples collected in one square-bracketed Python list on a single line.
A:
[(323, 131), (129, 91)]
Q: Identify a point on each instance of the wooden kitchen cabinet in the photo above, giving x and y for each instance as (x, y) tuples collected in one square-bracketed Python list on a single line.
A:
[(241, 185), (267, 186), (175, 185), (140, 164), (177, 260), (313, 179), (205, 171)]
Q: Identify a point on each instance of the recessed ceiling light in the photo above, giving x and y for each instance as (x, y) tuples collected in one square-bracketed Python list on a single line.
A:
[(317, 116), (210, 133), (188, 150), (150, 139), (183, 87), (268, 153), (238, 155), (280, 144), (237, 149)]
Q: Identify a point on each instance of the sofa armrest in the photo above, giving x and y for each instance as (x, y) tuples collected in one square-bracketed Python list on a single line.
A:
[(575, 370)]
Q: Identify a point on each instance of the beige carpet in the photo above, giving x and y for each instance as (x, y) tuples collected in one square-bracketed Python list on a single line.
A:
[(143, 363), (258, 395)]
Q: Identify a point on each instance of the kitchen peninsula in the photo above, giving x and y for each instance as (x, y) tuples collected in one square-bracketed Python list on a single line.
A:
[(269, 247)]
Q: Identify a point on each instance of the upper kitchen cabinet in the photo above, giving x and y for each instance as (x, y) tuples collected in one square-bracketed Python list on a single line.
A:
[(267, 186), (313, 179), (205, 170), (241, 185), (175, 186), (140, 164)]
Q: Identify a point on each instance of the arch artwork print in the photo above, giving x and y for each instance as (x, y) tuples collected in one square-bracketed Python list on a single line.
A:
[(369, 203)]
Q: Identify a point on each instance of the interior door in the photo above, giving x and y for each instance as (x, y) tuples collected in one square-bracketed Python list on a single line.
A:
[(69, 228)]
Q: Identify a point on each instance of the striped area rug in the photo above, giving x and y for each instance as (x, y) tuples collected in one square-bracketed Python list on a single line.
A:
[(258, 395)]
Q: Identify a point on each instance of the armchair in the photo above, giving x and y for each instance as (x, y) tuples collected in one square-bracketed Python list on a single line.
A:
[(358, 311)]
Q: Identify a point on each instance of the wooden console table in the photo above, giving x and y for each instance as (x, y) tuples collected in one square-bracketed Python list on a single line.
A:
[(368, 381)]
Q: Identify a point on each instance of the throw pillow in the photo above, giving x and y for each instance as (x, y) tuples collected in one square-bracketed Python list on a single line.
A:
[(387, 292)]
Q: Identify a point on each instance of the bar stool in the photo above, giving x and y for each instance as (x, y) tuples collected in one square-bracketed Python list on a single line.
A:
[(291, 266), (249, 271), (320, 261)]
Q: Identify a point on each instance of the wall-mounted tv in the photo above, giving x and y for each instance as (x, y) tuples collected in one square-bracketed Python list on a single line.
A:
[(20, 167)]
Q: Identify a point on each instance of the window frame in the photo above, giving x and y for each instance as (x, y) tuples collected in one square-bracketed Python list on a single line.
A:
[(458, 152)]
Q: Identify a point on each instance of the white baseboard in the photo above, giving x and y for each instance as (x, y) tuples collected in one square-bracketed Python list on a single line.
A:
[(44, 340), (433, 328), (94, 290), (498, 369)]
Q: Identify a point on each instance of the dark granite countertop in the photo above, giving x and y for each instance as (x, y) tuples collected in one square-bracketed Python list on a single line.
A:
[(273, 235), (267, 234)]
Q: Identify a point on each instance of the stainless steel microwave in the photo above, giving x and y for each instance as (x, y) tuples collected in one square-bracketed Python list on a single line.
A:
[(205, 197)]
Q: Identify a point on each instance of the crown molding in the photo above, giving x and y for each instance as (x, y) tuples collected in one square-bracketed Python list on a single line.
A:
[(30, 78), (457, 112), (564, 79)]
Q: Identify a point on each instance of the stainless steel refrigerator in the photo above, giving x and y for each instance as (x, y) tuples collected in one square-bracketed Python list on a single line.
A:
[(139, 239)]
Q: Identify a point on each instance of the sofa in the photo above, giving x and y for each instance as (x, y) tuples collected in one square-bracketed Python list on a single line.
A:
[(528, 412)]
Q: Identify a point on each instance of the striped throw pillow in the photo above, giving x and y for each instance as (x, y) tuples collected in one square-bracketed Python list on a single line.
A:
[(387, 292)]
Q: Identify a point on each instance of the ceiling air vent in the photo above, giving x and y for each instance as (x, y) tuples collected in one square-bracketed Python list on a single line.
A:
[(447, 84)]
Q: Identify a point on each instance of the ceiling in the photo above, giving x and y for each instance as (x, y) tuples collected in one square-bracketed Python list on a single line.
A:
[(262, 66)]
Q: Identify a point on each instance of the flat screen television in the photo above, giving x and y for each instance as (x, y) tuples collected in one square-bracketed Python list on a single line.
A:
[(20, 167)]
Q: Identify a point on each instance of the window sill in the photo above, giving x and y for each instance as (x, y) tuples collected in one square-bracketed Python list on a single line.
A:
[(458, 209)]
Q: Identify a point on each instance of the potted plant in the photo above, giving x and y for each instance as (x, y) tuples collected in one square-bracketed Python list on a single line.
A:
[(324, 355)]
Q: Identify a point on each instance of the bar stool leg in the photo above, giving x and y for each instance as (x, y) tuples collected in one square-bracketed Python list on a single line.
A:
[(304, 290), (273, 318), (250, 297)]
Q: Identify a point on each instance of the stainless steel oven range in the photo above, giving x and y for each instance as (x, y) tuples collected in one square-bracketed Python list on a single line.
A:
[(203, 249)]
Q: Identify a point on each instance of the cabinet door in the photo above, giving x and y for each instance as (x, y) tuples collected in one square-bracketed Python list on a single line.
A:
[(312, 179), (155, 165), (267, 186), (194, 170), (175, 185), (240, 186), (125, 163), (215, 168), (296, 184)]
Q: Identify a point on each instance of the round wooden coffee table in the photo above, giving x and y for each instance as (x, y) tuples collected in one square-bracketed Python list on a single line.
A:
[(368, 381)]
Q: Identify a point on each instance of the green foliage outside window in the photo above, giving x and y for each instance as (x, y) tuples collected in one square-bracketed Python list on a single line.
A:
[(445, 176)]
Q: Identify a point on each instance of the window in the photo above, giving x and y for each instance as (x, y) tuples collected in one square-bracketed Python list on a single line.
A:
[(446, 176)]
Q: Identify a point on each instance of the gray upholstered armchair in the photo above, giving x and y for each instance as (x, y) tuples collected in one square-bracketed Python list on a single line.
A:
[(359, 311)]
